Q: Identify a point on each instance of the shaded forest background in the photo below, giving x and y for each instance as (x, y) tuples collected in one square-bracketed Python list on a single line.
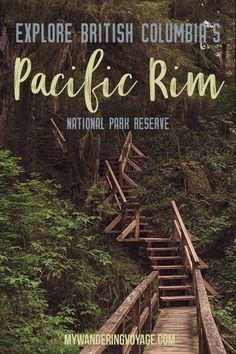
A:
[(58, 271)]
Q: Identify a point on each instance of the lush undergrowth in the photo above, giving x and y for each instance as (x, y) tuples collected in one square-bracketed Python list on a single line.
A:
[(58, 273)]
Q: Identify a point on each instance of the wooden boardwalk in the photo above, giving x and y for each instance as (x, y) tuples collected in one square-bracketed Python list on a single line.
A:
[(180, 322), (175, 284)]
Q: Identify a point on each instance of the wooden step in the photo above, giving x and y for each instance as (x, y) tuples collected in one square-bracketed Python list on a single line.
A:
[(132, 203), (164, 249), (175, 287), (178, 298), (142, 217), (155, 239), (173, 277), (164, 258), (168, 267)]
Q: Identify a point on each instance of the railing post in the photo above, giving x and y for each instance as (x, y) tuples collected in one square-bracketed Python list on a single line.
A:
[(149, 304), (136, 312), (194, 279), (118, 349), (155, 287)]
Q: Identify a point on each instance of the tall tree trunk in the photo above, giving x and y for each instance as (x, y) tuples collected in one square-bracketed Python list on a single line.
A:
[(224, 57), (23, 120)]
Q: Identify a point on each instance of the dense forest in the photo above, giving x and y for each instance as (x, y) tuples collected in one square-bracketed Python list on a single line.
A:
[(59, 271)]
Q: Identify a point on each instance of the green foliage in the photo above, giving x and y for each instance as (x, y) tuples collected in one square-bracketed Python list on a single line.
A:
[(210, 231), (94, 202), (225, 317), (53, 267)]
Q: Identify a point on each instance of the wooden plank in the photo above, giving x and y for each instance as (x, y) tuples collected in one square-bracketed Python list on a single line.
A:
[(168, 267), (118, 202), (177, 321), (134, 165), (126, 231), (191, 236), (211, 334), (57, 130), (190, 263), (156, 239), (129, 180), (185, 232), (110, 184), (138, 152), (210, 289), (125, 152), (154, 300), (228, 346), (114, 222), (170, 277), (225, 328), (203, 265), (109, 198), (128, 141), (126, 349), (178, 229), (124, 200), (144, 316), (178, 298), (175, 287)]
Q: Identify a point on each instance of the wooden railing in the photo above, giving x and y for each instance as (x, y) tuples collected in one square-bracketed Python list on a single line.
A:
[(189, 254), (133, 227), (60, 139), (125, 151), (210, 341), (114, 186), (126, 162), (209, 338), (134, 315)]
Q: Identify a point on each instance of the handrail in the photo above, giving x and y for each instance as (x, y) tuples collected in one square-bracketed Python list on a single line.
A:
[(124, 161), (116, 183), (134, 225), (188, 241), (58, 135), (128, 141), (139, 304), (57, 130), (210, 341), (127, 230)]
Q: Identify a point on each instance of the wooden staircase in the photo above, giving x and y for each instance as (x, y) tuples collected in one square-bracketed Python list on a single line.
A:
[(170, 255), (175, 283)]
